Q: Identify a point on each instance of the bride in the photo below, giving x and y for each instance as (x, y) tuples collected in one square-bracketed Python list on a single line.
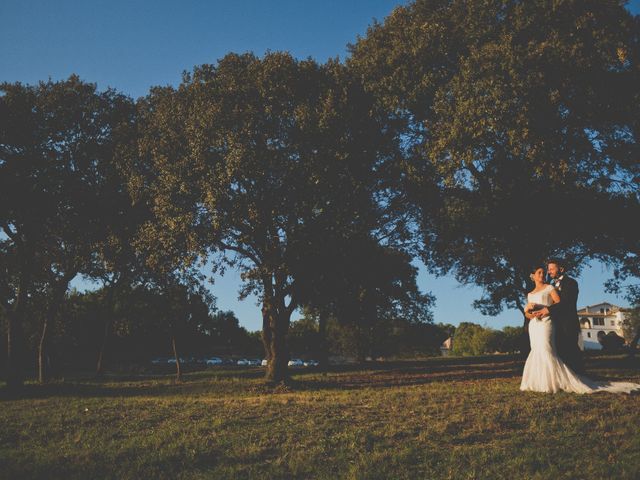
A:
[(544, 371)]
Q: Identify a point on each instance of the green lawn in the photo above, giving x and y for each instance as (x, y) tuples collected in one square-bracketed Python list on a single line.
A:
[(437, 418)]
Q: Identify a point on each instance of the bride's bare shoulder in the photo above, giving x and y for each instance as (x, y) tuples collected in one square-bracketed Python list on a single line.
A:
[(542, 289)]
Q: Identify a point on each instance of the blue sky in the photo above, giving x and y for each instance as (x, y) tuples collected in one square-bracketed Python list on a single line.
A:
[(132, 45)]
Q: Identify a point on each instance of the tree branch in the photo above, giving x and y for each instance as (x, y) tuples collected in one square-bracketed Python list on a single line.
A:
[(13, 236), (480, 178), (292, 305), (4, 296), (242, 251)]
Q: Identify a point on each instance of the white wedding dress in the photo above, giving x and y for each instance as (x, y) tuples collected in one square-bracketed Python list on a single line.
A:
[(544, 371)]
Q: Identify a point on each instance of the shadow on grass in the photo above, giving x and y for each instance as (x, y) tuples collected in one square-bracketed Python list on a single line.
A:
[(226, 381), (246, 380), (204, 382), (408, 373), (611, 366)]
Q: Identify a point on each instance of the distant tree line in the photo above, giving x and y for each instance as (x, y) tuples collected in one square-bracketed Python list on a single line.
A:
[(476, 137), (143, 323), (474, 339), (392, 338)]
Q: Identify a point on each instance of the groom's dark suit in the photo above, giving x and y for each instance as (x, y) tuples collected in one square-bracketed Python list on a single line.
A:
[(565, 317)]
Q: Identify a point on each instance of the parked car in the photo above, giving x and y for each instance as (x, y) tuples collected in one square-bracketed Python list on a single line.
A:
[(228, 361), (264, 362), (311, 363), (256, 362), (296, 362), (213, 361), (159, 361), (244, 362)]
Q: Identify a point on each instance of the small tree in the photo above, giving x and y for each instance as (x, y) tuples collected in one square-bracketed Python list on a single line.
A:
[(464, 342), (628, 268), (631, 328)]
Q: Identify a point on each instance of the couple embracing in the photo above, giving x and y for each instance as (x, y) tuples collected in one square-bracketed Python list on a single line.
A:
[(555, 361)]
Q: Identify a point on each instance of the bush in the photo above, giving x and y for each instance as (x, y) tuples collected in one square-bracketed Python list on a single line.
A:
[(611, 341)]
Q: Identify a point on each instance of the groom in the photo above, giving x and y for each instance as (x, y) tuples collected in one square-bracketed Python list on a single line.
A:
[(565, 316)]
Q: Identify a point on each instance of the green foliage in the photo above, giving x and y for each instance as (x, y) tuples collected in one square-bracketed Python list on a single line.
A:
[(251, 153), (470, 339), (303, 338), (631, 323), (58, 175), (512, 340), (344, 338), (402, 338), (143, 322), (473, 339), (387, 337), (611, 341), (226, 336)]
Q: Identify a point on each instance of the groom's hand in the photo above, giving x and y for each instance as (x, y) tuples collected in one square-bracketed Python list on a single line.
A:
[(544, 312)]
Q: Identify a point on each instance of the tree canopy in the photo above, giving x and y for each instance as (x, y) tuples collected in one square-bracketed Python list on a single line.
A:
[(58, 141), (521, 126), (256, 160)]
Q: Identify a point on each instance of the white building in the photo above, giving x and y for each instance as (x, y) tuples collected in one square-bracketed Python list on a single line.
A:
[(597, 320), (446, 347)]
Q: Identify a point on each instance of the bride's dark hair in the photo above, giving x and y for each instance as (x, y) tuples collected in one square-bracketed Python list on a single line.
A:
[(533, 270)]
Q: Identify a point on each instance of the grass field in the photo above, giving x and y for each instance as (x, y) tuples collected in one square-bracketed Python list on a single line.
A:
[(438, 418)]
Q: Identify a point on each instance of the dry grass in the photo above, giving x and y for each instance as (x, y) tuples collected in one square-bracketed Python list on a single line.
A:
[(437, 418)]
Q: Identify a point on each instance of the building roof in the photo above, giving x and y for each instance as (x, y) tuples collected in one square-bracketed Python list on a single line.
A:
[(596, 307)]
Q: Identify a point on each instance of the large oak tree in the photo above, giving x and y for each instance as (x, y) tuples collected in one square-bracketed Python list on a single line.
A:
[(521, 122), (249, 154)]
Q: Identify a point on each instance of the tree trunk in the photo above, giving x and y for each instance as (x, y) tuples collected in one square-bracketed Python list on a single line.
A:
[(525, 345), (43, 370), (107, 329), (103, 347), (57, 297), (323, 351), (15, 337), (15, 351), (634, 343), (266, 332), (368, 313), (361, 350), (277, 370), (177, 357)]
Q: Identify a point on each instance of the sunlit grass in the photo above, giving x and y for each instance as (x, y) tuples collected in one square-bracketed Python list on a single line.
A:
[(438, 418)]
